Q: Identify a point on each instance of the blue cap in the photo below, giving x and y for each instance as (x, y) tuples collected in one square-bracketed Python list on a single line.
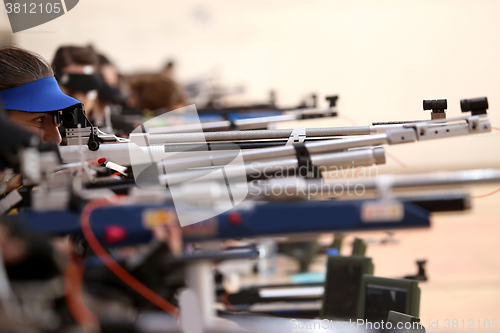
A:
[(42, 95)]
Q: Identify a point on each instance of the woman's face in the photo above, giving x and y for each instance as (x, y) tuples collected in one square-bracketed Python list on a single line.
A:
[(41, 123), (87, 98)]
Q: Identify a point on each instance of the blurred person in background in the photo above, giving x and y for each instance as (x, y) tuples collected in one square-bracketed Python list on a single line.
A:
[(113, 87), (90, 77), (76, 71), (156, 94), (108, 71), (114, 111)]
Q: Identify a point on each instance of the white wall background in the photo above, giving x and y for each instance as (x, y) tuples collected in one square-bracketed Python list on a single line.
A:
[(382, 57)]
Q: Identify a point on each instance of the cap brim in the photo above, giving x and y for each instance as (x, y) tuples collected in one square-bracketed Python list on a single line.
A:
[(43, 95)]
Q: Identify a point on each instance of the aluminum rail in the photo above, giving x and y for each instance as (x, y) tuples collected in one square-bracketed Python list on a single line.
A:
[(188, 128), (156, 139), (261, 122), (407, 133), (245, 124), (361, 157), (448, 178), (119, 153), (184, 161)]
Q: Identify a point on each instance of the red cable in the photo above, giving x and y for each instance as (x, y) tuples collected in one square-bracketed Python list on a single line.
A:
[(113, 266), (395, 159), (485, 195), (74, 298)]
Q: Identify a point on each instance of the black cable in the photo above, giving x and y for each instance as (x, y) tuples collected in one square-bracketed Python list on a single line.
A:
[(94, 140)]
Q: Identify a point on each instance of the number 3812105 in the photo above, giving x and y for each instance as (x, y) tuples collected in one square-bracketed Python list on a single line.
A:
[(33, 8)]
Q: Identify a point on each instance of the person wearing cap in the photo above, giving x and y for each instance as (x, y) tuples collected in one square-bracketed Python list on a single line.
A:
[(30, 93), (32, 98)]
